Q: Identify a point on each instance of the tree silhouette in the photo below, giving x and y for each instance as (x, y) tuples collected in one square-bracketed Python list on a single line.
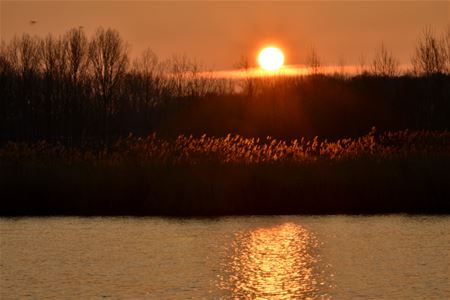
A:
[(76, 88), (430, 56), (384, 63), (109, 59), (313, 61)]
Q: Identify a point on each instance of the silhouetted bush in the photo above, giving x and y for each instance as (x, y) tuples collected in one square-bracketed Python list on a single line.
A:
[(384, 63), (431, 54)]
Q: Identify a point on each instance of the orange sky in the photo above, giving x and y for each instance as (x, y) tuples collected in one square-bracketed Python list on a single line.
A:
[(218, 33)]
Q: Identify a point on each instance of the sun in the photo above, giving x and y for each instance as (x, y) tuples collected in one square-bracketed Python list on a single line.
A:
[(271, 59)]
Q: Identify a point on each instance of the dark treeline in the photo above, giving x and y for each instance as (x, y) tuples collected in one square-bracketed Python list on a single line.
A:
[(76, 88)]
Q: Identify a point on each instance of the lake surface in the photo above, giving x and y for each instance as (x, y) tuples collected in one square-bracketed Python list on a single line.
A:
[(279, 257)]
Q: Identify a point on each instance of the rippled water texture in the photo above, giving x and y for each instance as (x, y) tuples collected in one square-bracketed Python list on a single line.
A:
[(279, 261), (280, 257)]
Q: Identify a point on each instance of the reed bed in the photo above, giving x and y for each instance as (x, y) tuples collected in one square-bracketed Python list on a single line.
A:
[(392, 172), (239, 150)]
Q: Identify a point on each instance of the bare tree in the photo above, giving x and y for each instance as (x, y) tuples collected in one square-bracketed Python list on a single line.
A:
[(54, 94), (77, 52), (147, 64), (109, 59), (7, 92), (248, 83), (313, 61), (77, 57), (53, 54), (384, 63), (5, 63), (446, 46), (430, 54), (176, 68), (23, 54), (147, 72)]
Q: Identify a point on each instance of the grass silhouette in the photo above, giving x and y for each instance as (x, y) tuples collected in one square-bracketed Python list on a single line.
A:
[(405, 171)]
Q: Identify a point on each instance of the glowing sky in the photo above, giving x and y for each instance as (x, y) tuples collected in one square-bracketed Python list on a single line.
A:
[(217, 33)]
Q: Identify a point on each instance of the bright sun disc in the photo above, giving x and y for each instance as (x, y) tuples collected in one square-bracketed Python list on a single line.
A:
[(271, 58)]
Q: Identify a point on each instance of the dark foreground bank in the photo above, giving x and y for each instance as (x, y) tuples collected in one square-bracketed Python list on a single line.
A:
[(405, 172)]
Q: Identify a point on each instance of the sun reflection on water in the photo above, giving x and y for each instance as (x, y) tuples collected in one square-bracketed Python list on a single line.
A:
[(280, 262)]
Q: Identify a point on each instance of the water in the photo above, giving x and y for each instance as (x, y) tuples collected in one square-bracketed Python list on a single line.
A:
[(280, 257)]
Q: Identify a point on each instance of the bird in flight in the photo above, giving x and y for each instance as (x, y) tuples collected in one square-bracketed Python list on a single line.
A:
[(32, 22)]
